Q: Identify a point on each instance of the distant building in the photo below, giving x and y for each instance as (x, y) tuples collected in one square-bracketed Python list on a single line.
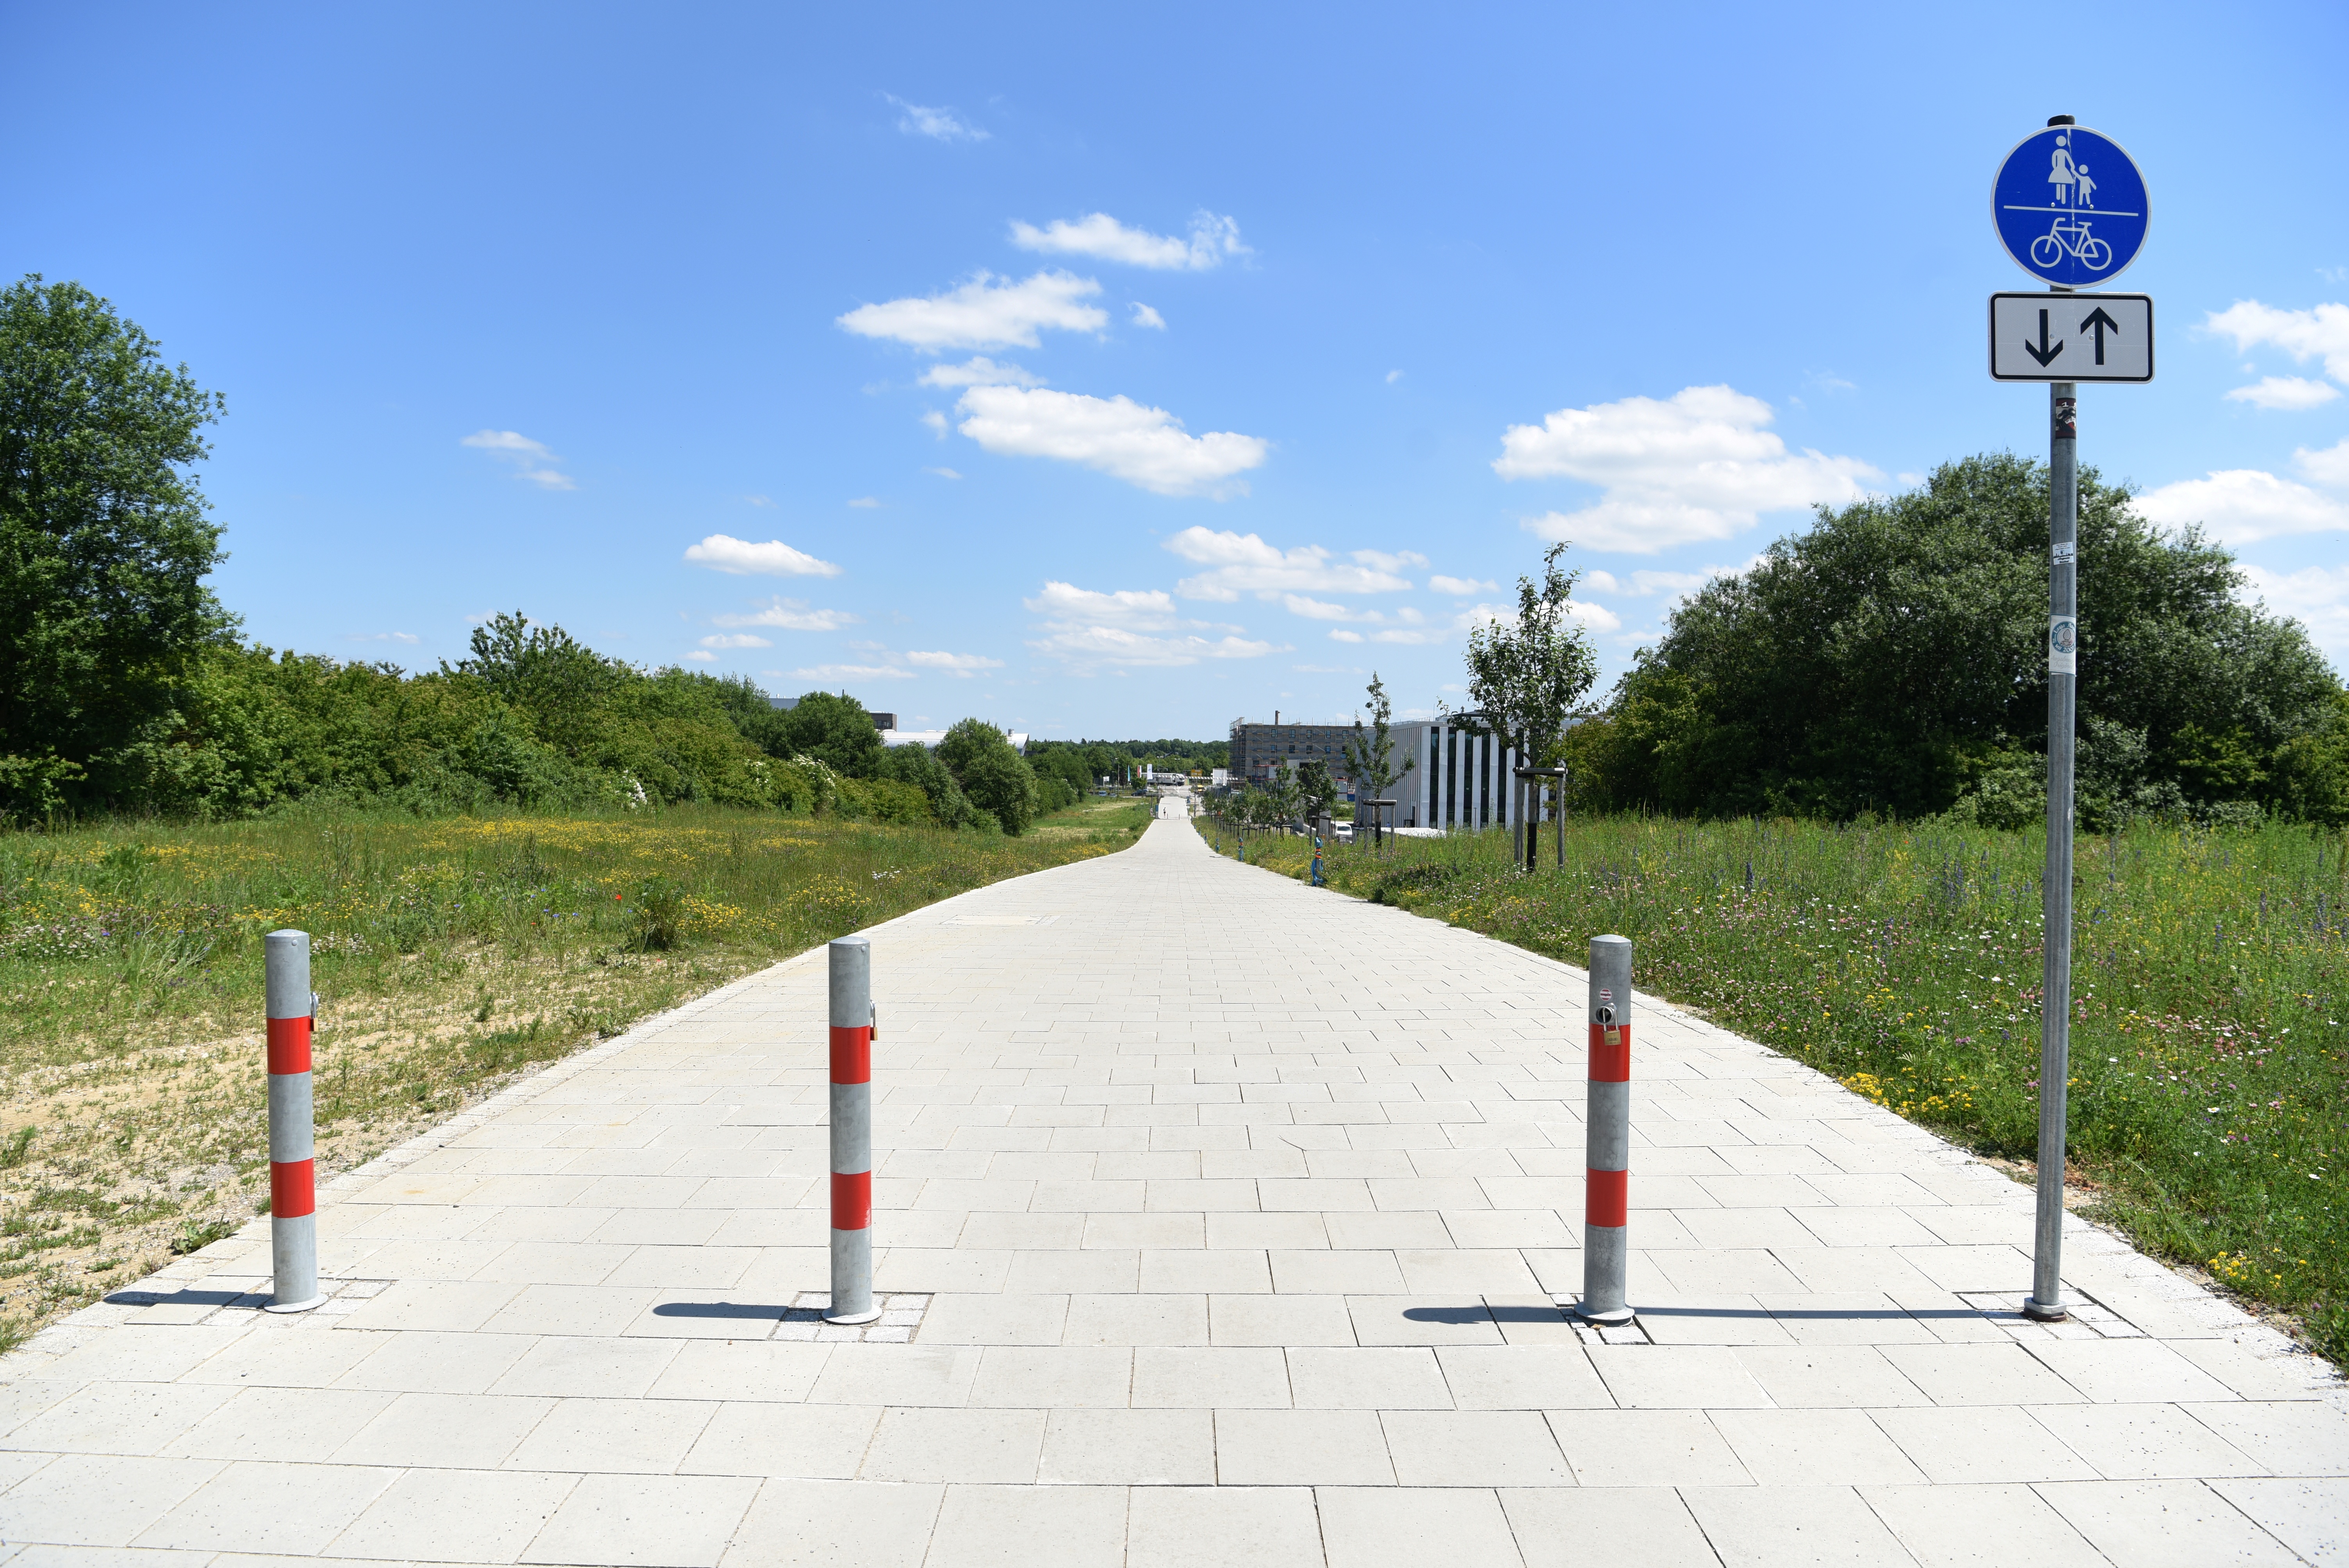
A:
[(1454, 779), (1258, 749), (892, 736)]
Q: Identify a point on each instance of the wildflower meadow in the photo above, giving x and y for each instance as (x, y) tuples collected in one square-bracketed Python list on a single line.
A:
[(2209, 1067), (449, 954)]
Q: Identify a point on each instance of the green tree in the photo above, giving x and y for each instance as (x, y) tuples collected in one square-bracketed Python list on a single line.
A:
[(835, 730), (1525, 678), (1316, 791), (104, 546), (920, 767), (997, 779), (1368, 754), (1891, 659)]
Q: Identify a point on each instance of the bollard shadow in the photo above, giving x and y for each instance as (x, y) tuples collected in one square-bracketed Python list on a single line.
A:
[(1481, 1314), (732, 1309), (183, 1297), (1816, 1313)]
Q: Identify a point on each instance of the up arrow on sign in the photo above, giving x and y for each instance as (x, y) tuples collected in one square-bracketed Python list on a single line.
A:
[(2071, 337)]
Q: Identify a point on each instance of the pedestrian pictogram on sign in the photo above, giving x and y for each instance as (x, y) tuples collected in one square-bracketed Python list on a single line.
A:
[(2070, 207)]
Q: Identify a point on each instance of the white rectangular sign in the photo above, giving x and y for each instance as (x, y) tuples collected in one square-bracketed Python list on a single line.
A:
[(2071, 337)]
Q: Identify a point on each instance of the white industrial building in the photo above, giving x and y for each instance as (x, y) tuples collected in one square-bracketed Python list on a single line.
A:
[(1455, 779)]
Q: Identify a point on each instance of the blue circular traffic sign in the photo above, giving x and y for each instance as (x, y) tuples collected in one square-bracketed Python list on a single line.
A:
[(2070, 207)]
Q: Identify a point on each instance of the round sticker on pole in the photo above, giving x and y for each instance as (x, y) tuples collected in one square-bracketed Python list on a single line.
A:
[(2070, 206), (2062, 645)]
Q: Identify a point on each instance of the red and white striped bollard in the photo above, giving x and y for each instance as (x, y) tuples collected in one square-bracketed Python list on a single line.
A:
[(293, 1165), (1606, 1248), (852, 1018)]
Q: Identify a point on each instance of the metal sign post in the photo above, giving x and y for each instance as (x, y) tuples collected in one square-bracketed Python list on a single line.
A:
[(2071, 208)]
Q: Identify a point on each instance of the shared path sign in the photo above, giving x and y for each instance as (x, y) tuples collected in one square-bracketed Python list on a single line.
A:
[(2070, 207), (2071, 336)]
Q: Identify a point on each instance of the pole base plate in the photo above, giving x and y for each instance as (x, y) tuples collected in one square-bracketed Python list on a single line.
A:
[(1617, 1319), (2044, 1312), (293, 1306), (848, 1320)]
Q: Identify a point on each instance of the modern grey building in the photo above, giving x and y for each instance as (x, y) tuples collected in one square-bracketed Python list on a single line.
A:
[(1454, 779), (1457, 778)]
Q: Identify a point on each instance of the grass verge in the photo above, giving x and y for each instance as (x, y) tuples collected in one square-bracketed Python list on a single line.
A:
[(450, 955), (2209, 1068)]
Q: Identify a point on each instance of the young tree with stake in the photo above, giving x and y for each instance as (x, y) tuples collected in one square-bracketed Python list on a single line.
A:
[(1369, 754), (1525, 676)]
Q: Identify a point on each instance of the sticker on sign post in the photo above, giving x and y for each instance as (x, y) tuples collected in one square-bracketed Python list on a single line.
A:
[(2062, 645)]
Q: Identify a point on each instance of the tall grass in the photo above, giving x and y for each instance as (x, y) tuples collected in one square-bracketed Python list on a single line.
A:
[(449, 955), (2209, 1067)]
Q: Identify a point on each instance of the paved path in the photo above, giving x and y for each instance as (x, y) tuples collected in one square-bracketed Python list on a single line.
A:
[(1221, 1216)]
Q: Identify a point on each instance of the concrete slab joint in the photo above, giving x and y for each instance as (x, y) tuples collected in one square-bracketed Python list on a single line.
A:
[(1231, 1240)]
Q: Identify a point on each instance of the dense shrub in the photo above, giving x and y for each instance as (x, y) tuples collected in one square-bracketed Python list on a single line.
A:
[(1891, 660), (997, 779)]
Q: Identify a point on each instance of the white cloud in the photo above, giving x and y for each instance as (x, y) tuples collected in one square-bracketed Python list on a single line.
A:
[(1244, 563), (1398, 561), (865, 502), (1640, 585), (2318, 596), (943, 473), (760, 499), (1102, 237), (1323, 610), (1409, 628), (2329, 467), (938, 124), (1317, 609), (702, 656), (2287, 392), (962, 665), (979, 372), (1145, 316), (2238, 506), (1084, 626), (936, 422), (1460, 587), (408, 637), (791, 615), (724, 553), (1140, 609), (1394, 377), (2323, 332), (1080, 645), (852, 672), (985, 312), (1142, 445), (531, 458), (1697, 465), (737, 640)]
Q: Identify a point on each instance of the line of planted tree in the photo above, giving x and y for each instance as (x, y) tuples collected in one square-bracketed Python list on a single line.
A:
[(124, 686)]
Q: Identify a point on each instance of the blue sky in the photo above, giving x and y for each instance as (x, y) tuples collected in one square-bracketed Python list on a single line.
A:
[(1122, 372)]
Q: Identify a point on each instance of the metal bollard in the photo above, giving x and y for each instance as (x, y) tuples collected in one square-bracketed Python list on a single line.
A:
[(1606, 1198), (293, 1168), (852, 1020)]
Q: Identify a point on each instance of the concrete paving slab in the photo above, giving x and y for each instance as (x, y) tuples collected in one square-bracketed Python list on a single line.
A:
[(1218, 1238)]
